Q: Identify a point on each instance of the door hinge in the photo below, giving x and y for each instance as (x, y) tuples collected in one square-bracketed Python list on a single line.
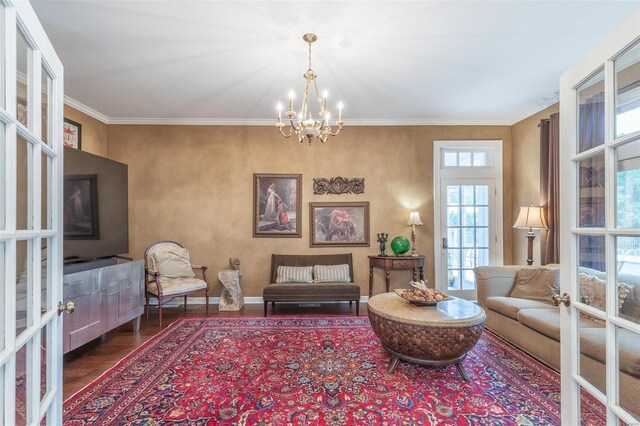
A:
[(445, 243), (496, 238)]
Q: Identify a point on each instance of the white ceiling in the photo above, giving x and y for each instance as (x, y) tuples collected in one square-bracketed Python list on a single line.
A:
[(389, 62)]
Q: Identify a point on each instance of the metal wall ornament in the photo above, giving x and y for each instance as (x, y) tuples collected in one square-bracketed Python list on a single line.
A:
[(338, 185)]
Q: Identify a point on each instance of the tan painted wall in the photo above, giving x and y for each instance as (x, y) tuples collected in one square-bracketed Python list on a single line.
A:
[(525, 187), (94, 132), (194, 184)]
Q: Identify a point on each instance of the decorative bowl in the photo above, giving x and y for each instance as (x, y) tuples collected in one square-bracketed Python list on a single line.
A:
[(402, 292)]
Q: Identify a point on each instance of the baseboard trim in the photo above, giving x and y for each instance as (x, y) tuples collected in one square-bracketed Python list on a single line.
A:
[(177, 301)]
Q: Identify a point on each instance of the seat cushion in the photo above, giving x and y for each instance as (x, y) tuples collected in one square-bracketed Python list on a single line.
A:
[(177, 286), (316, 292), (547, 321), (509, 306), (592, 344)]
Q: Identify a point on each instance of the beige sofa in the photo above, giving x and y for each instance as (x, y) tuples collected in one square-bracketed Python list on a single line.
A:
[(535, 328)]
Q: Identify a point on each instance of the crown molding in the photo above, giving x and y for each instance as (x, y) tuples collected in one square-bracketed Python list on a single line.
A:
[(270, 122), (541, 106), (87, 110)]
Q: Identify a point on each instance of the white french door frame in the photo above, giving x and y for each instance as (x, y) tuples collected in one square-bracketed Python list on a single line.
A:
[(599, 57), (492, 172), (40, 55)]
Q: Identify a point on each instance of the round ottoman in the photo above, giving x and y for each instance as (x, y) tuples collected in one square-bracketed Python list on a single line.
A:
[(437, 336)]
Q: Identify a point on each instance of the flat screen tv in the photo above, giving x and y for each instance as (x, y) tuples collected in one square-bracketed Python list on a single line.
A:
[(96, 223)]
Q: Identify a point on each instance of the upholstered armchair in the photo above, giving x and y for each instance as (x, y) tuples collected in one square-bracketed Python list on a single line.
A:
[(169, 273)]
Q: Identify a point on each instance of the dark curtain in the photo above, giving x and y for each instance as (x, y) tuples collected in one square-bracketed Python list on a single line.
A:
[(591, 123), (550, 187)]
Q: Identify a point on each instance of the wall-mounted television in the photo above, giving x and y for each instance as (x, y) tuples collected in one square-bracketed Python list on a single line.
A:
[(96, 222)]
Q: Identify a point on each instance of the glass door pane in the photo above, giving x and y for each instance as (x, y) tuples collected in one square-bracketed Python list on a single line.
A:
[(627, 93), (467, 230), (23, 53), (591, 113)]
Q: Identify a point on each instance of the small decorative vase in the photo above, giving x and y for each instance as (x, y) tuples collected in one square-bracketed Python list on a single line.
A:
[(400, 245)]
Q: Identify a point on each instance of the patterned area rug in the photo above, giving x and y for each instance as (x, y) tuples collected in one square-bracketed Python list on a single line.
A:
[(312, 371)]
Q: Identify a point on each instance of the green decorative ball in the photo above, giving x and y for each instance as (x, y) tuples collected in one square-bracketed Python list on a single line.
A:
[(400, 245)]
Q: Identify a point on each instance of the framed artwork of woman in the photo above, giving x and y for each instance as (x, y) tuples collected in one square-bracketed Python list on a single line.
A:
[(277, 204)]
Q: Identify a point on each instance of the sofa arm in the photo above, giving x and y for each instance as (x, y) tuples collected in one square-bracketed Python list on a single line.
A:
[(494, 281)]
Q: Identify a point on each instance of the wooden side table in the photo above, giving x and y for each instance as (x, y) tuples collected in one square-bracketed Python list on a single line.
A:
[(395, 263)]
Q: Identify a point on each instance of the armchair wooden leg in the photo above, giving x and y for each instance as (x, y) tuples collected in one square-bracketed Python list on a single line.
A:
[(206, 297), (350, 302), (160, 310), (185, 303), (147, 304), (357, 308), (266, 306)]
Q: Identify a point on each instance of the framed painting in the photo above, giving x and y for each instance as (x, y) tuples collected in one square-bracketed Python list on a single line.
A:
[(277, 201), (81, 207), (72, 134), (339, 224)]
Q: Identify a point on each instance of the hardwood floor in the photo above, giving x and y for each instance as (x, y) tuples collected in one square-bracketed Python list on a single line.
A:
[(88, 362)]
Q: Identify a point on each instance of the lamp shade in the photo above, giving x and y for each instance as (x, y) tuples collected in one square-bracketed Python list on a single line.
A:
[(414, 219), (531, 217)]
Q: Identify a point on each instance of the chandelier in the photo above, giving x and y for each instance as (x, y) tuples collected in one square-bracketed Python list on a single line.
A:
[(307, 126)]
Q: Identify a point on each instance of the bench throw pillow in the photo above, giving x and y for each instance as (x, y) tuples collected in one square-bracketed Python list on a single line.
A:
[(538, 284), (331, 274), (172, 263), (294, 274)]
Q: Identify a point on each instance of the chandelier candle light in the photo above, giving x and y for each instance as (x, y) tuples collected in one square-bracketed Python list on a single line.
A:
[(414, 220), (307, 126)]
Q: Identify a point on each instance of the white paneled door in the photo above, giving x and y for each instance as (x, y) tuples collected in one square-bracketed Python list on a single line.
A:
[(31, 113), (600, 228), (468, 212)]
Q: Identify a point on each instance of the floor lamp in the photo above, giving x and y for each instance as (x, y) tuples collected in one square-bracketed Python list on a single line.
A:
[(530, 217)]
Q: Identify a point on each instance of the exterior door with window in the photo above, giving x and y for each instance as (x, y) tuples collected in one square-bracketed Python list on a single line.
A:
[(31, 109), (468, 212), (464, 215), (600, 228)]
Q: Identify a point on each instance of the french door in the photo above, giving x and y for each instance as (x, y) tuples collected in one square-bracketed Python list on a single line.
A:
[(468, 187), (465, 220), (31, 91), (600, 228)]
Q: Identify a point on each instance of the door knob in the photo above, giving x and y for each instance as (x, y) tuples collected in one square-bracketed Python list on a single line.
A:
[(565, 299), (68, 307)]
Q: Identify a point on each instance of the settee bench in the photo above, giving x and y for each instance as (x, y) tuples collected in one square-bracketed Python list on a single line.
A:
[(310, 292)]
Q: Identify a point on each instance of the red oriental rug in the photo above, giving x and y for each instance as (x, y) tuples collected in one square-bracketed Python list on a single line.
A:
[(312, 371)]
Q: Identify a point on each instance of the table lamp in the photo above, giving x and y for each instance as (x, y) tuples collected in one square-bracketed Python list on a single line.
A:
[(414, 219), (530, 217)]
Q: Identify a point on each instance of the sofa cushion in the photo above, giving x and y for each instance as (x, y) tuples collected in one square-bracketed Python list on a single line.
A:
[(538, 284), (294, 274), (509, 306), (176, 286), (547, 321), (592, 344), (331, 274), (304, 291)]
